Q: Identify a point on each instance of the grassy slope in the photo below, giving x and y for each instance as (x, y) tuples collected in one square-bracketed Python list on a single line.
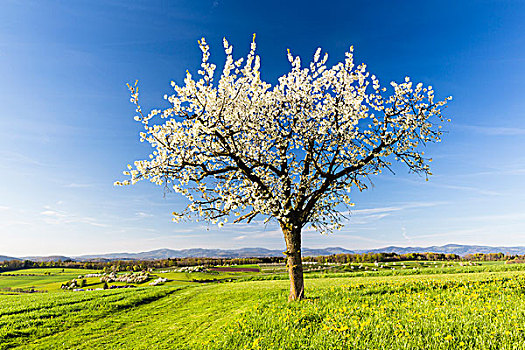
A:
[(476, 310), (184, 319)]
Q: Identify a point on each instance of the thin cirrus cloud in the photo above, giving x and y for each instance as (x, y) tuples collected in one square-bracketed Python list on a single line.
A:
[(513, 170), (504, 218), (492, 130), (451, 233), (369, 215), (60, 217), (381, 212), (19, 158), (77, 185), (470, 189), (405, 235)]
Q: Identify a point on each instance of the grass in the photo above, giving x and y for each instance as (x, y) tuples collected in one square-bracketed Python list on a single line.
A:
[(475, 310), (43, 316)]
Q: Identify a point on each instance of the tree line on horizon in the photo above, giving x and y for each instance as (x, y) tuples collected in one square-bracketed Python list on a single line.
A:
[(139, 265)]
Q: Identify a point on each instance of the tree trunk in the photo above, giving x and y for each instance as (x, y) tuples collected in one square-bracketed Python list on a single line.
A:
[(292, 238)]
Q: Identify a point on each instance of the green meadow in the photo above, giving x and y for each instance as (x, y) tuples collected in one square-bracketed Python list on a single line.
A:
[(45, 279), (479, 307)]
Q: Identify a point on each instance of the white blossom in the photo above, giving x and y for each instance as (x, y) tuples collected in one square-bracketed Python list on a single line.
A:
[(236, 145)]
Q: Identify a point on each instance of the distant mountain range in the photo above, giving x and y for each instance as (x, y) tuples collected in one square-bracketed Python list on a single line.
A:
[(46, 258), (458, 249), (263, 252), (210, 253), (7, 258)]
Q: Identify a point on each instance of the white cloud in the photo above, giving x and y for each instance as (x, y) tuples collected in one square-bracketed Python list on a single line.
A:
[(52, 213), (75, 185)]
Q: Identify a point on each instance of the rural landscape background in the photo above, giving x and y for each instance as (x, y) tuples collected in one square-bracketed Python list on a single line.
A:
[(437, 264)]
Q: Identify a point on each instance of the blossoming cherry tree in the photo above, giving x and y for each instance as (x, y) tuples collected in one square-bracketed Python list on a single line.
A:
[(239, 148)]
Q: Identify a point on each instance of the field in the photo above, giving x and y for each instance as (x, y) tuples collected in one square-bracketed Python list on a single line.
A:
[(48, 279), (479, 307)]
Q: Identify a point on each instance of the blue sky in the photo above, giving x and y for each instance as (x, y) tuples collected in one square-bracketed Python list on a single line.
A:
[(68, 131)]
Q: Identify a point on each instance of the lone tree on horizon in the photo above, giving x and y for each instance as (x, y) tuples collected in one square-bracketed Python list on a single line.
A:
[(240, 147)]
